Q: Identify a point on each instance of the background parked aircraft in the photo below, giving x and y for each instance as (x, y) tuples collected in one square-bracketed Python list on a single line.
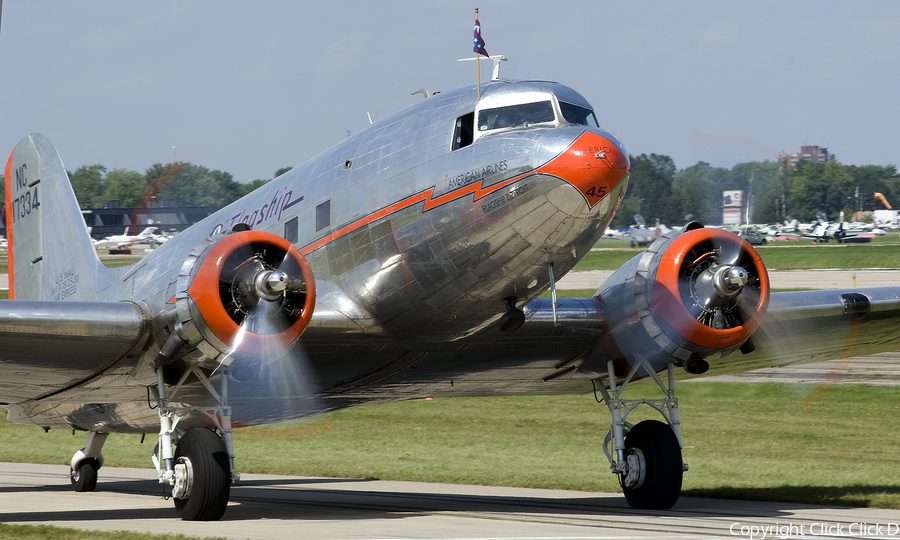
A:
[(823, 231), (639, 234), (147, 236)]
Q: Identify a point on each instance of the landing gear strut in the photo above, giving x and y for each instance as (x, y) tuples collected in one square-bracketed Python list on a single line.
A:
[(200, 469), (646, 456)]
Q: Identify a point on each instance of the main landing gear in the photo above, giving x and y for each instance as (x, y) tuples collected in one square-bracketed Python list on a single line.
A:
[(646, 456), (200, 468)]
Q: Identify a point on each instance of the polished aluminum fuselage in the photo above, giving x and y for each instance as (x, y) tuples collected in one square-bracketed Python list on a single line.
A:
[(418, 239)]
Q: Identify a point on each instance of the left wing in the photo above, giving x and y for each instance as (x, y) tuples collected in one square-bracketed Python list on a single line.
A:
[(46, 347)]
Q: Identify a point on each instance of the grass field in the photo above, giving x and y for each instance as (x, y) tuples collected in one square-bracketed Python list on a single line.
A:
[(46, 532), (882, 252)]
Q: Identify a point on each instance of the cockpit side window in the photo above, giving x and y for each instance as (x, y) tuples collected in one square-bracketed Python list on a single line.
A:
[(515, 116), (576, 114), (463, 131)]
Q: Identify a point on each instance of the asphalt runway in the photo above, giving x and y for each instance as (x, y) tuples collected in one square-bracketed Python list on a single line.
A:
[(281, 507)]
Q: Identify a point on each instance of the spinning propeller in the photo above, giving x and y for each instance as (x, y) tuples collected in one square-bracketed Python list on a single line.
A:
[(236, 275), (243, 301), (716, 285)]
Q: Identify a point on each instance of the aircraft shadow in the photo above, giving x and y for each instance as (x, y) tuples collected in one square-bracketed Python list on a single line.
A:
[(856, 495)]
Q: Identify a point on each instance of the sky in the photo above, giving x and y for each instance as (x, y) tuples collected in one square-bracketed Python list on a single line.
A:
[(251, 87)]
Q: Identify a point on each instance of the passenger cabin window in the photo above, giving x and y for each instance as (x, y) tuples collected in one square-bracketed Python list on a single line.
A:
[(291, 231), (463, 131), (323, 215), (576, 114), (515, 116)]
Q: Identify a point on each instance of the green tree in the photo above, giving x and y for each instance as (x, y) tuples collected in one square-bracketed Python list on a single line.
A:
[(195, 185), (870, 179), (701, 188), (819, 187), (125, 186), (650, 191), (763, 185), (89, 184)]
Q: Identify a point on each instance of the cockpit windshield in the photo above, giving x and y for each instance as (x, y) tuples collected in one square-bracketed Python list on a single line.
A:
[(576, 114), (515, 116)]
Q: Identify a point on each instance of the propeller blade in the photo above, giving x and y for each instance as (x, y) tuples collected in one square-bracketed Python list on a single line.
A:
[(276, 384)]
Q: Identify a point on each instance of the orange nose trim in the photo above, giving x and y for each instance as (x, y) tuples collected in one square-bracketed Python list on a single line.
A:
[(592, 164)]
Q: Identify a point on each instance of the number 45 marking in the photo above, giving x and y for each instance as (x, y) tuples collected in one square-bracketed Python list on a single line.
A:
[(597, 192)]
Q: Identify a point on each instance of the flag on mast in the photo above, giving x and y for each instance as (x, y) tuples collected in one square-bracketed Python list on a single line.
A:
[(479, 42), (479, 50)]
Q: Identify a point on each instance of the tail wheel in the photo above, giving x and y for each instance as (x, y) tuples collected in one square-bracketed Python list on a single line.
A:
[(655, 468), (203, 471), (84, 475)]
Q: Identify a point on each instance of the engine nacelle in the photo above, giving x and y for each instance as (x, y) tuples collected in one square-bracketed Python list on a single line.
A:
[(247, 293), (693, 293)]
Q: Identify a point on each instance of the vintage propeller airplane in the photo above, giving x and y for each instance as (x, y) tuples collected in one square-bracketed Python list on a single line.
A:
[(405, 262)]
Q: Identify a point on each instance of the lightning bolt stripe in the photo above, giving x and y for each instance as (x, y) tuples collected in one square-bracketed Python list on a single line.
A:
[(476, 190), (426, 196)]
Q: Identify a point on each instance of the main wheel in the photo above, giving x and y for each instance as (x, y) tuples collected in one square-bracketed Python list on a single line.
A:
[(84, 475), (655, 466), (201, 460)]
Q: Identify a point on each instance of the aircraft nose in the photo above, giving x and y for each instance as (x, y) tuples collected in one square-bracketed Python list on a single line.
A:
[(594, 164)]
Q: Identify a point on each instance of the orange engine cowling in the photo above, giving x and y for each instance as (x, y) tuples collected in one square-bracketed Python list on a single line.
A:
[(247, 293), (693, 293)]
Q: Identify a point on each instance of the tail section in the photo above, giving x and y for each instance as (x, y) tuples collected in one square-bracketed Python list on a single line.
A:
[(51, 256)]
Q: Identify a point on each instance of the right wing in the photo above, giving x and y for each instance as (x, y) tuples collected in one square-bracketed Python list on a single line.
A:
[(812, 326)]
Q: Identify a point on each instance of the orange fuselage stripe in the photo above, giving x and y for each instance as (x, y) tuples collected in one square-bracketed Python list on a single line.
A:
[(10, 252)]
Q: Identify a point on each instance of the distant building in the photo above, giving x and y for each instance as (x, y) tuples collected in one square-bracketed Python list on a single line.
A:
[(113, 219), (809, 153)]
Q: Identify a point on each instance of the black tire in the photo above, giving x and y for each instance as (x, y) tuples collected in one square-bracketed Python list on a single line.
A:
[(763, 242), (664, 468), (211, 476), (84, 475)]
